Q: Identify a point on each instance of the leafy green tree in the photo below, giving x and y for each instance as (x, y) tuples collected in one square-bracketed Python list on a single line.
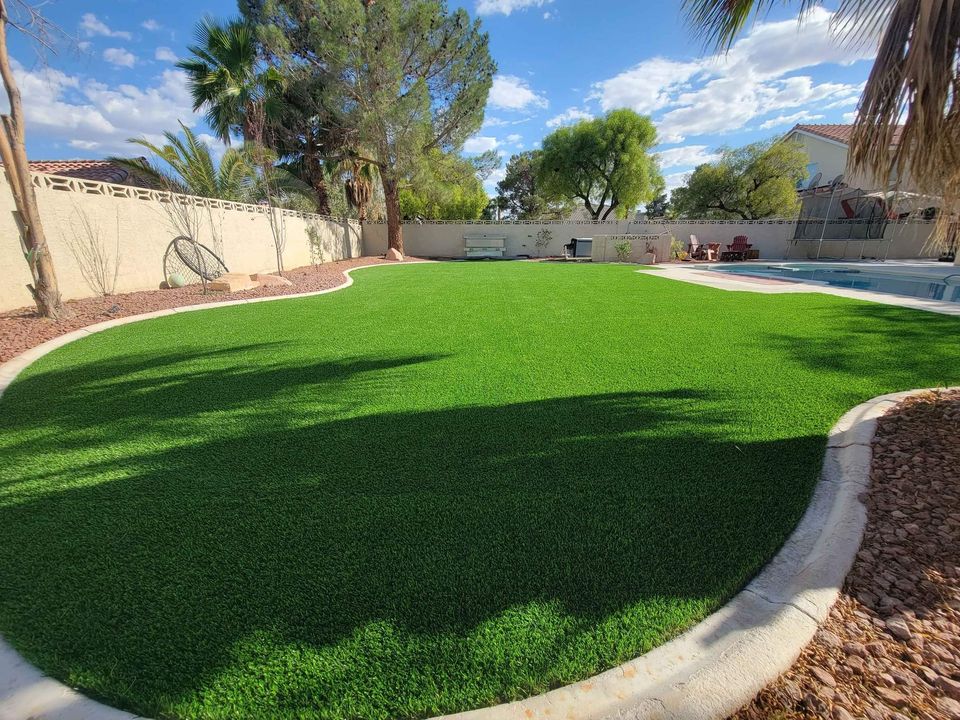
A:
[(605, 163), (408, 76), (485, 163), (244, 94), (658, 207), (748, 183), (518, 193), (448, 187)]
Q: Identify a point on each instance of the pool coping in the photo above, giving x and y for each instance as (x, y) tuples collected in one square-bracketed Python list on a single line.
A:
[(708, 672), (724, 281)]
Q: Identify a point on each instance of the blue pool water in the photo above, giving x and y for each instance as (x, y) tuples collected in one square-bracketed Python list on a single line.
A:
[(941, 286)]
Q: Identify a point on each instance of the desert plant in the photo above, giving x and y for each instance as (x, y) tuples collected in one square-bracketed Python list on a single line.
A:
[(315, 243), (624, 250), (544, 238), (88, 244), (677, 251)]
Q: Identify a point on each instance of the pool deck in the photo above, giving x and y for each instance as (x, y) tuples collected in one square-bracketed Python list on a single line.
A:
[(705, 274)]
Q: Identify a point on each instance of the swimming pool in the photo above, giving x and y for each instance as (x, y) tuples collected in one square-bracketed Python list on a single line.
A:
[(934, 283)]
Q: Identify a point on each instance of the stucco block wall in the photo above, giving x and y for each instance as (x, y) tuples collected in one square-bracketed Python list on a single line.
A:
[(770, 237), (240, 232)]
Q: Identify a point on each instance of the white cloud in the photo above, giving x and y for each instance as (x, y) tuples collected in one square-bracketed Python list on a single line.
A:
[(91, 115), (645, 87), (91, 25), (687, 156), (151, 25), (165, 54), (480, 143), (490, 184), (802, 116), (513, 138), (119, 57), (512, 93), (490, 7), (675, 180), (217, 148), (84, 144), (850, 116), (570, 115), (723, 92)]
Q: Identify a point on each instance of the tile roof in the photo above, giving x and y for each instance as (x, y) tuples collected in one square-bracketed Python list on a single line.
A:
[(839, 133), (98, 170)]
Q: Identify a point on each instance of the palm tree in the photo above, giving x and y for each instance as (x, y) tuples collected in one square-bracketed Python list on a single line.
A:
[(227, 78), (192, 170), (915, 81), (359, 187)]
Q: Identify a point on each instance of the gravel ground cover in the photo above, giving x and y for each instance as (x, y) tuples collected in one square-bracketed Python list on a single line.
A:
[(891, 646)]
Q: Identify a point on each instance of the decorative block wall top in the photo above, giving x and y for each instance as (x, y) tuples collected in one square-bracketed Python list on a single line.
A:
[(92, 187)]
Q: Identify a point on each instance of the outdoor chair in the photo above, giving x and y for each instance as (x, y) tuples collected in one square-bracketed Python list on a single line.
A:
[(696, 251), (737, 250), (713, 251)]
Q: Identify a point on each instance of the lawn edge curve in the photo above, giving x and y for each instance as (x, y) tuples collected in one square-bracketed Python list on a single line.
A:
[(709, 671)]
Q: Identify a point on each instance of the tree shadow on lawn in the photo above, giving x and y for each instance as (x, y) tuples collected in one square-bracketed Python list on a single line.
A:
[(866, 339), (412, 561)]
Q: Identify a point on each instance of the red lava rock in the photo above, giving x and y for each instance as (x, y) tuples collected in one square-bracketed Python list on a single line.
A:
[(949, 707), (892, 697), (898, 617), (823, 676), (898, 628), (949, 687), (840, 713)]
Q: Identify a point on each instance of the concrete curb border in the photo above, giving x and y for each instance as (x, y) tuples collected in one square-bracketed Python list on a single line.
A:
[(706, 673)]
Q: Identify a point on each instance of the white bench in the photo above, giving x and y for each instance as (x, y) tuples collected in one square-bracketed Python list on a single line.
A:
[(475, 246)]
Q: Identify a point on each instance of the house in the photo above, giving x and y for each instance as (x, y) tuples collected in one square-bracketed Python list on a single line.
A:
[(97, 170), (827, 147)]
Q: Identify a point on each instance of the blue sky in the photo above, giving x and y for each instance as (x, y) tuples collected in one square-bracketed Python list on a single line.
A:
[(559, 60)]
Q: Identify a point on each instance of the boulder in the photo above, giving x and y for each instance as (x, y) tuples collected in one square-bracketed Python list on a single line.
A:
[(394, 255), (232, 282), (270, 280)]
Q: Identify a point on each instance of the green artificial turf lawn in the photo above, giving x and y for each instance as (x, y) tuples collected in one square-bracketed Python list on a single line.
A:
[(447, 486)]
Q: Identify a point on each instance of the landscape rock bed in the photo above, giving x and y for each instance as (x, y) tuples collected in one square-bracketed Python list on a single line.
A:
[(22, 329), (891, 646)]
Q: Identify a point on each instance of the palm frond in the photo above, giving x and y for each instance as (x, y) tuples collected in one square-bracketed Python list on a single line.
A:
[(908, 121), (719, 22)]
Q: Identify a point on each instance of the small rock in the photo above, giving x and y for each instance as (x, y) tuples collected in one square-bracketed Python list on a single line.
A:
[(949, 707), (393, 255), (828, 638), (898, 628), (840, 713), (949, 687), (892, 697), (855, 648), (928, 675), (270, 280), (823, 677)]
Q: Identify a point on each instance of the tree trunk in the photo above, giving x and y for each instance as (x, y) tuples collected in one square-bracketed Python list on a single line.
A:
[(45, 291), (391, 195), (314, 168)]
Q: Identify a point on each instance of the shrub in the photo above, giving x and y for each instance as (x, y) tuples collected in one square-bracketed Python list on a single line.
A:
[(544, 238), (624, 250)]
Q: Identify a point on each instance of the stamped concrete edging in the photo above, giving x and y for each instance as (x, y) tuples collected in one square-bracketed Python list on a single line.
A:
[(708, 672)]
